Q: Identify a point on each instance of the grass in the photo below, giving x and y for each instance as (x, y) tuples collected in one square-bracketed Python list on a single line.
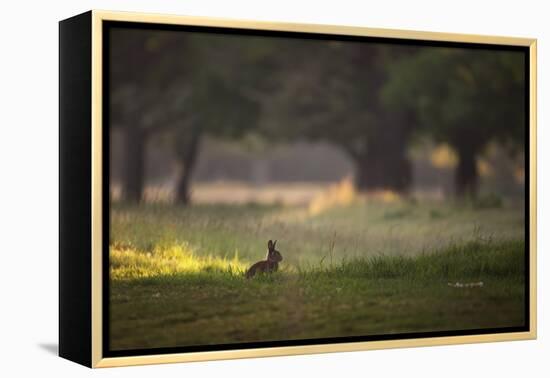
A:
[(348, 231), (127, 263), (177, 273)]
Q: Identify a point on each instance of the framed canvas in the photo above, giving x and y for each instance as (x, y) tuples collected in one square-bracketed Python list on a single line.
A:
[(234, 189)]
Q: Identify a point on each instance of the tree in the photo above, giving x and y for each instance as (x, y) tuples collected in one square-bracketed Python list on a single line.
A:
[(333, 94), (182, 84), (464, 97), (215, 98), (142, 68), (218, 109)]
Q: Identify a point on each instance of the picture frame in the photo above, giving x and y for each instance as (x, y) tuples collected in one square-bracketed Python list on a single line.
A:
[(85, 200)]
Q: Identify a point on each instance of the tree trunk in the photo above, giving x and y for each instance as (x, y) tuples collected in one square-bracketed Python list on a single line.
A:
[(187, 152), (385, 164), (134, 163), (382, 171), (466, 174)]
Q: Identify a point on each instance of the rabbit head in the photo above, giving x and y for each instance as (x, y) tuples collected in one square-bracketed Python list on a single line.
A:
[(272, 254)]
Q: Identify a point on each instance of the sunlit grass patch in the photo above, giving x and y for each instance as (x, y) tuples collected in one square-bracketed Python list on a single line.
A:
[(127, 262)]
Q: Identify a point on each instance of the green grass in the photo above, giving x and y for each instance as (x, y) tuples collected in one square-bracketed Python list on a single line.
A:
[(177, 273), (346, 232)]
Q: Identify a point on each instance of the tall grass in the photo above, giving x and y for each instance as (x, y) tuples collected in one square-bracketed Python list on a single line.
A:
[(357, 230), (471, 261)]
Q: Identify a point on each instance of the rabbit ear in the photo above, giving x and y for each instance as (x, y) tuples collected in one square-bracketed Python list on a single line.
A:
[(270, 245), (275, 242)]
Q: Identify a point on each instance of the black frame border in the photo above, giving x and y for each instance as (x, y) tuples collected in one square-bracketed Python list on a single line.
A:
[(75, 182)]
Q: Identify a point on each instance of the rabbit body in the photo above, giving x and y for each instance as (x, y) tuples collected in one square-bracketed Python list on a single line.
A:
[(269, 265)]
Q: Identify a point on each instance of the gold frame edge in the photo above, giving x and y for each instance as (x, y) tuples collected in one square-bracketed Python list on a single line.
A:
[(97, 196), (98, 16), (309, 349), (310, 28), (533, 187)]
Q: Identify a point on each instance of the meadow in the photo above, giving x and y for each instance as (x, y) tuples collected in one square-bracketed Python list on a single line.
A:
[(364, 267)]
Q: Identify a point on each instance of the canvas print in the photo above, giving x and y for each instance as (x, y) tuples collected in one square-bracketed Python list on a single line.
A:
[(271, 187)]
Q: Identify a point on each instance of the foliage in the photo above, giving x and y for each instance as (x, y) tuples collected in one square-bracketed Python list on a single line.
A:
[(463, 97), (332, 94), (462, 93)]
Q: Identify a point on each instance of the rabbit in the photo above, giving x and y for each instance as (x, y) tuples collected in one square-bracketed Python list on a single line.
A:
[(269, 265)]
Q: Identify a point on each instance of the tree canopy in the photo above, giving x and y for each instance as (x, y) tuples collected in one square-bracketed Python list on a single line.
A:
[(464, 97)]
